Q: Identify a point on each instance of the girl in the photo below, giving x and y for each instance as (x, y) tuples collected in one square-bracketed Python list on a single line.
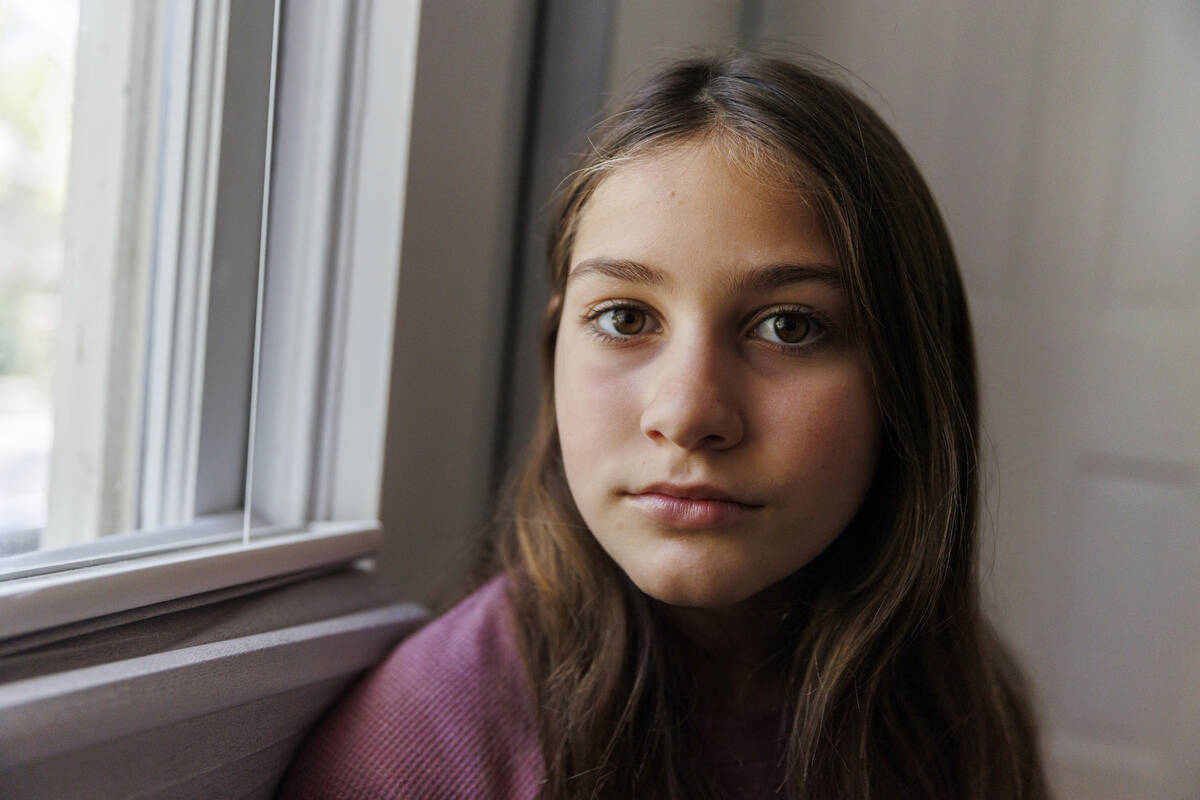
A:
[(741, 559)]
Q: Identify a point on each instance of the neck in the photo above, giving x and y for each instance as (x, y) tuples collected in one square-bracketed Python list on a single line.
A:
[(736, 649)]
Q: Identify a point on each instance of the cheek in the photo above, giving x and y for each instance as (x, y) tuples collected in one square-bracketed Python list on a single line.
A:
[(830, 429), (595, 402)]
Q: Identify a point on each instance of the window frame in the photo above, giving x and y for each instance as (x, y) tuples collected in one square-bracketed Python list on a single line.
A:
[(108, 222), (215, 109), (376, 435), (331, 413), (44, 600), (398, 427)]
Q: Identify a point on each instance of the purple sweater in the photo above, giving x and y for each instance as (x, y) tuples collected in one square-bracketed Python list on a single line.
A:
[(449, 715)]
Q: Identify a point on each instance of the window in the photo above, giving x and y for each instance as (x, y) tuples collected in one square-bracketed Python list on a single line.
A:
[(37, 51), (381, 155), (195, 403)]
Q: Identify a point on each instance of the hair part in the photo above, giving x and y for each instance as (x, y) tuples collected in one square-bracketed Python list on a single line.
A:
[(897, 685)]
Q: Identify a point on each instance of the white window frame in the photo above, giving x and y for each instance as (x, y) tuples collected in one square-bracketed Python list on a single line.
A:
[(108, 219), (46, 599), (322, 418), (153, 366), (353, 433), (199, 348)]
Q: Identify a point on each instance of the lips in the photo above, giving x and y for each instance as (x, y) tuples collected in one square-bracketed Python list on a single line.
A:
[(692, 507), (695, 491)]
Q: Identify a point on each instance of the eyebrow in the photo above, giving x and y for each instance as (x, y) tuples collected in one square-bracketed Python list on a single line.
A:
[(619, 269), (762, 279), (777, 276)]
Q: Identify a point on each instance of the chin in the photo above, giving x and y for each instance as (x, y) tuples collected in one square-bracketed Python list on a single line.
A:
[(693, 589)]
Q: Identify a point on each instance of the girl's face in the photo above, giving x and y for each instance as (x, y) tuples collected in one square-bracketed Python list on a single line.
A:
[(717, 421)]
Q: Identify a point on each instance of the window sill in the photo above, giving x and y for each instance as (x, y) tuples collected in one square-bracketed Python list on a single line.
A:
[(40, 601), (206, 701)]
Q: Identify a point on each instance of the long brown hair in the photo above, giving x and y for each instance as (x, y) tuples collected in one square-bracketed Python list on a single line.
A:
[(897, 684)]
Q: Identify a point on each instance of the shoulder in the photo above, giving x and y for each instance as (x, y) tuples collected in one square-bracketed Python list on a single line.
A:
[(448, 714)]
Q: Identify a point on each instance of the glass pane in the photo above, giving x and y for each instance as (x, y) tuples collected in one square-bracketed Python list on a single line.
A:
[(128, 275), (37, 58)]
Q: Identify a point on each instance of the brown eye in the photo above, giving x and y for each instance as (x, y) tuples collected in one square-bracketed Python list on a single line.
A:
[(795, 329), (623, 321), (790, 328)]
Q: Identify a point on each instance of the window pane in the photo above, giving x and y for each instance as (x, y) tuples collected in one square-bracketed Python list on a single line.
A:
[(130, 276), (129, 279), (37, 55)]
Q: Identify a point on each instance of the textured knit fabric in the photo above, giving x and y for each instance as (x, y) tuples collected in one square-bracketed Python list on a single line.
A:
[(448, 715), (745, 755)]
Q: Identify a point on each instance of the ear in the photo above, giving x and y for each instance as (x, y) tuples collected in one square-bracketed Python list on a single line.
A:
[(554, 309)]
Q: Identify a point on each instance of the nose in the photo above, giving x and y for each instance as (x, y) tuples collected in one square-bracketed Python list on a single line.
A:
[(693, 399)]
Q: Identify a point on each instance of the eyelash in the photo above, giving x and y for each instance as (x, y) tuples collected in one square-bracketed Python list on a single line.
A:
[(821, 325)]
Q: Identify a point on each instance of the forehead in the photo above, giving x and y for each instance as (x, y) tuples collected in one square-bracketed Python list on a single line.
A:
[(695, 212)]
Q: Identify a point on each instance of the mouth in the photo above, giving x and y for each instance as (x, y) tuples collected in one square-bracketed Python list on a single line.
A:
[(692, 507)]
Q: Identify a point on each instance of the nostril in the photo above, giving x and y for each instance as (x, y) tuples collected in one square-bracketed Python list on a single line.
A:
[(690, 423)]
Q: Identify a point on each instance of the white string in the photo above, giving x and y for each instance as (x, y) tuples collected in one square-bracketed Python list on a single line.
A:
[(262, 271)]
